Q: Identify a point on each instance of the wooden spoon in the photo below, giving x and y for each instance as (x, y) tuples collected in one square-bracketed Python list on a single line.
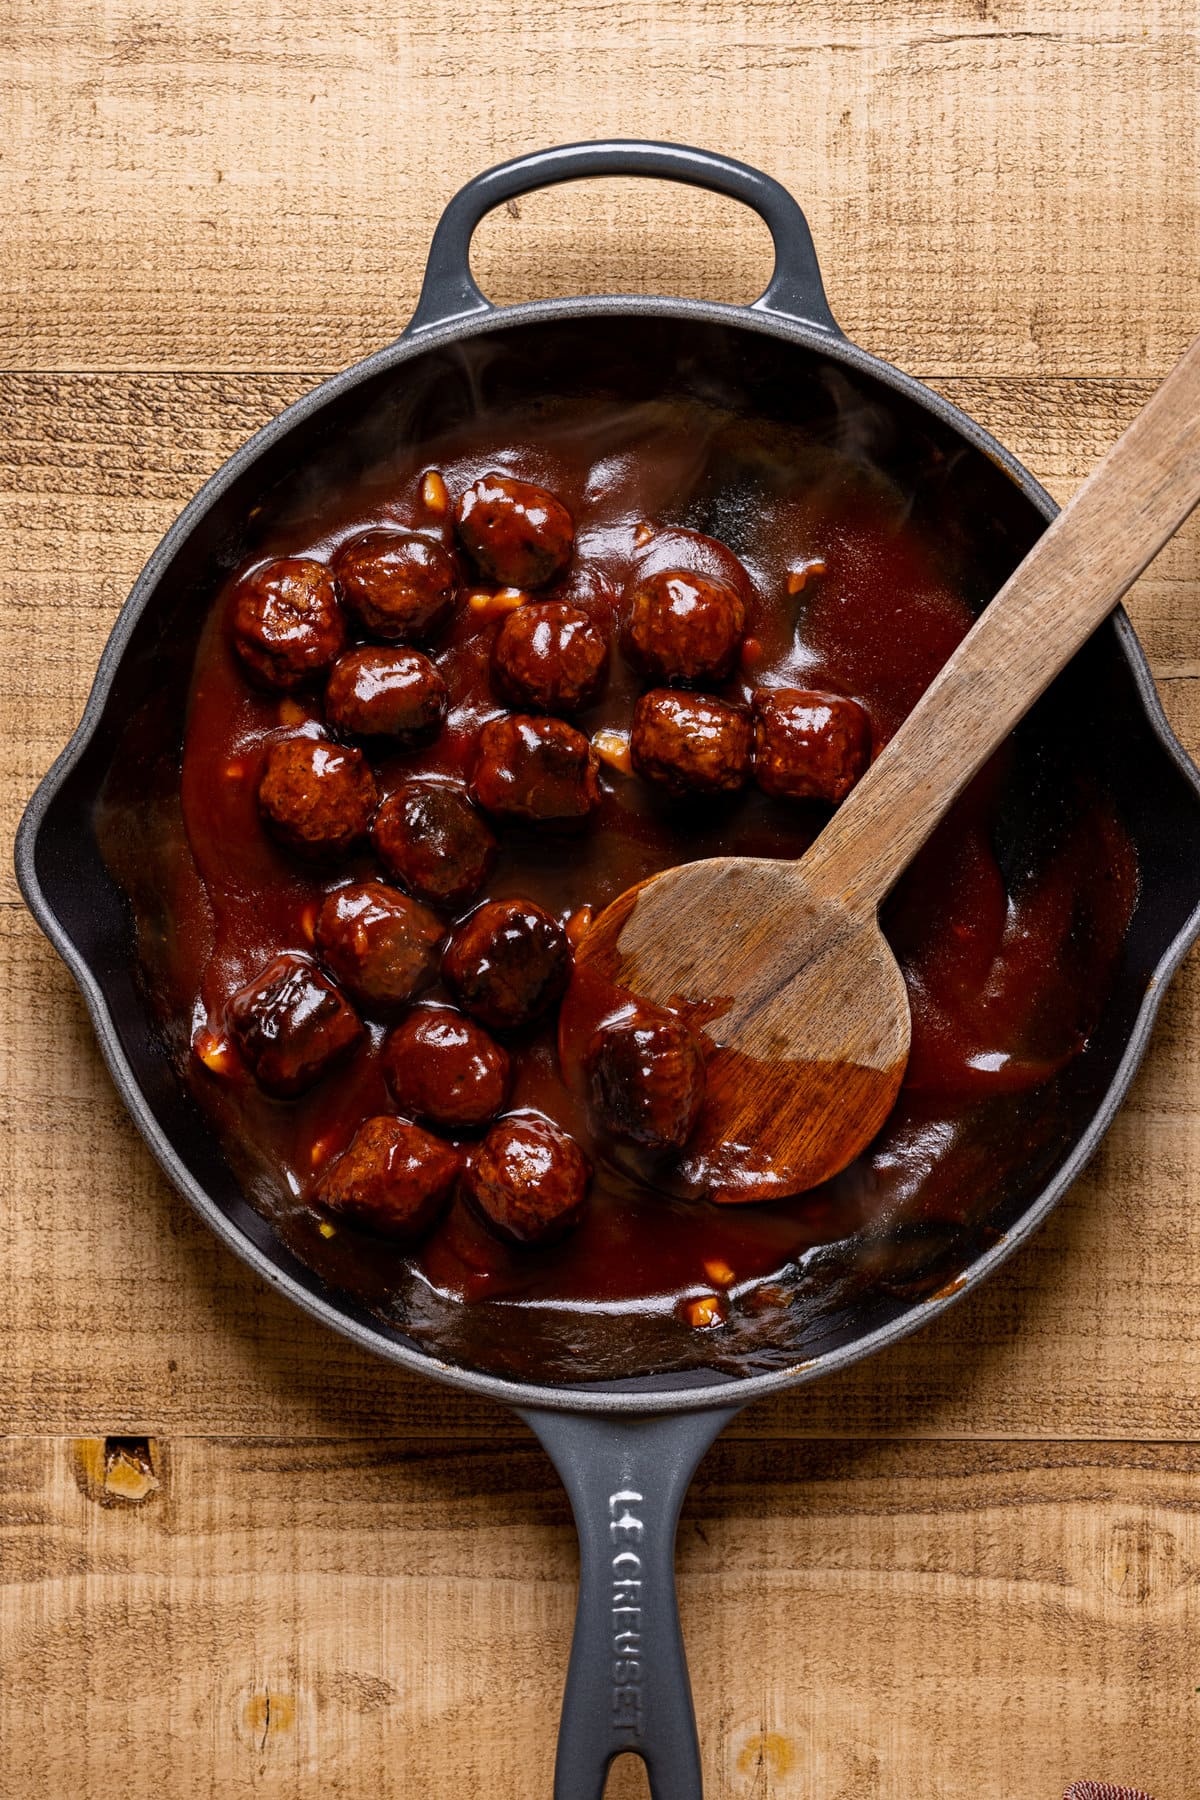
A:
[(783, 964)]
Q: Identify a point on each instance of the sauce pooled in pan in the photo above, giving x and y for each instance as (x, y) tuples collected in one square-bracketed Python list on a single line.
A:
[(438, 722)]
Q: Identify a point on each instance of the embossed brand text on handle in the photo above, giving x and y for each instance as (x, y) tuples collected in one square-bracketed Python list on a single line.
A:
[(627, 1531)]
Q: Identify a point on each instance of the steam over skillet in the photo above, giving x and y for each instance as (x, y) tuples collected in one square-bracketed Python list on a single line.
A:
[(626, 1444)]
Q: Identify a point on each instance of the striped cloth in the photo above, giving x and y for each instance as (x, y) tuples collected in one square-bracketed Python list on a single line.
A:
[(1102, 1790)]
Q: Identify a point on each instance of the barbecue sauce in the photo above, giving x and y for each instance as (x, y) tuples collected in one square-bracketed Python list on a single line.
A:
[(1007, 971)]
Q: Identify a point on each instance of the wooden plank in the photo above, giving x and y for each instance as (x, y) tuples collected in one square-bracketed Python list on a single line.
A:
[(863, 1620), (362, 1583), (993, 187)]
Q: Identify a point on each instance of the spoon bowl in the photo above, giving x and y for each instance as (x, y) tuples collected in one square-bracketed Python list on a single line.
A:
[(798, 999)]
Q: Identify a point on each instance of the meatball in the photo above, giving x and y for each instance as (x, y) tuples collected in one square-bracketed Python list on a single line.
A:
[(507, 963), (317, 797), (386, 693), (683, 627), (808, 746), (515, 534), (400, 586), (550, 657), (394, 1178), (443, 1067), (287, 622), (429, 836), (528, 1180), (538, 769), (292, 1024), (381, 945), (689, 743), (646, 1079)]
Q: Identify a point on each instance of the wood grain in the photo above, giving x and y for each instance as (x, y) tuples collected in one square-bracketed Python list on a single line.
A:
[(969, 1567), (255, 187), (294, 1616)]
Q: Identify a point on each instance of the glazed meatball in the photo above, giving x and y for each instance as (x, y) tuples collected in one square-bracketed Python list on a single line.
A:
[(550, 657), (316, 797), (537, 769), (682, 627), (515, 534), (386, 693), (646, 1079), (689, 743), (808, 746), (292, 1024), (429, 836), (400, 586), (287, 622), (445, 1068), (381, 945), (528, 1180), (508, 963), (394, 1178)]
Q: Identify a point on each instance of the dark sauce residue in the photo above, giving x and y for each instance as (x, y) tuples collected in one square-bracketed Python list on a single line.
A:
[(1007, 953)]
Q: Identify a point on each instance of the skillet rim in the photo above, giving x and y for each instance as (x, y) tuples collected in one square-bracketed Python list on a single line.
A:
[(719, 1391)]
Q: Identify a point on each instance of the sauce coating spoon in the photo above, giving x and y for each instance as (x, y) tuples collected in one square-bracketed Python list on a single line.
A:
[(783, 964)]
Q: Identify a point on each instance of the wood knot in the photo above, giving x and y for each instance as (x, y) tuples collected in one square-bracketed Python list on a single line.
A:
[(118, 1471), (767, 1755), (267, 1714), (1141, 1561)]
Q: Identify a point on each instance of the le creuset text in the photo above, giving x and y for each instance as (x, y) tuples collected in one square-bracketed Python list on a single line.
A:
[(626, 1529)]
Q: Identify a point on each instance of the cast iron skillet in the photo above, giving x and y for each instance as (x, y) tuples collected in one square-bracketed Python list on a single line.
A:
[(625, 1449)]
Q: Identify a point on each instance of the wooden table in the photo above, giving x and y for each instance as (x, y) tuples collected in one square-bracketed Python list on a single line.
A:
[(971, 1567)]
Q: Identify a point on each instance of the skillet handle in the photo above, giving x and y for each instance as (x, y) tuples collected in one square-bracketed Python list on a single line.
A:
[(627, 1683), (795, 289)]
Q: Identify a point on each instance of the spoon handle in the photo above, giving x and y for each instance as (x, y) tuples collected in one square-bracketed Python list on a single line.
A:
[(1068, 584)]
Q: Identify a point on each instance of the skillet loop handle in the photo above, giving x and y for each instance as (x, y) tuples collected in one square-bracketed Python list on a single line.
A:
[(627, 1684), (795, 290)]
